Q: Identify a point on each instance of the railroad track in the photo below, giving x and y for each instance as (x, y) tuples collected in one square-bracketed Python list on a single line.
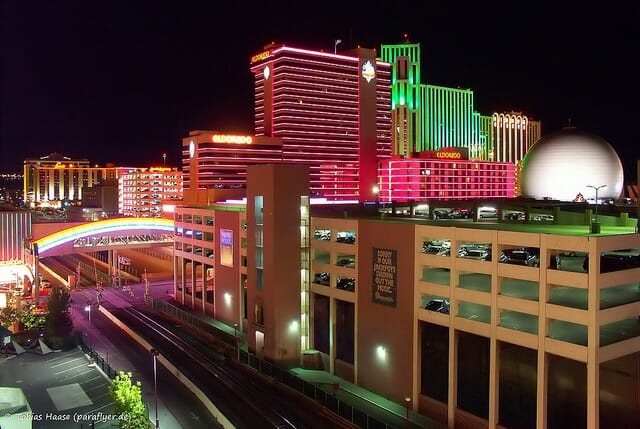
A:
[(246, 398)]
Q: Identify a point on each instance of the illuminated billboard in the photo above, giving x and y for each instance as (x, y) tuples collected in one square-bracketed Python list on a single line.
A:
[(226, 247)]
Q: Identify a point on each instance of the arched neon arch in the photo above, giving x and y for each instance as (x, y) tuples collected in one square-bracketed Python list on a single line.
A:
[(104, 226)]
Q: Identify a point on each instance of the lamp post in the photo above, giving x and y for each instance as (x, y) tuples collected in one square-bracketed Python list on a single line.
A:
[(335, 45), (595, 226), (407, 404), (87, 308), (235, 335), (376, 192), (155, 355)]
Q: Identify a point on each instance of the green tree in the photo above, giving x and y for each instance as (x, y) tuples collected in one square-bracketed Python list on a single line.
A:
[(58, 324), (127, 395), (8, 316)]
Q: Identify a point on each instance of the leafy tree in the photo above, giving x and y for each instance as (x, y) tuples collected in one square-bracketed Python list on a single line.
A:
[(58, 324), (127, 395), (8, 316)]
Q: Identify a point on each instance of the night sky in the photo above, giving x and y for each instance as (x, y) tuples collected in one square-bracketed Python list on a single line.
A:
[(125, 81)]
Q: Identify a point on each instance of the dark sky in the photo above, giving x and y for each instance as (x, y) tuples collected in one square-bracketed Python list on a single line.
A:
[(124, 81)]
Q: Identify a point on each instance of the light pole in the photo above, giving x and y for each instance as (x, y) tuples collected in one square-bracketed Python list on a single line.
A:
[(335, 45), (376, 192), (87, 308), (235, 335), (595, 226), (155, 355), (407, 404)]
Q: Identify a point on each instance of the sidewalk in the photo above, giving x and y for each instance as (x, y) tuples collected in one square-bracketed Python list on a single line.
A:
[(383, 409)]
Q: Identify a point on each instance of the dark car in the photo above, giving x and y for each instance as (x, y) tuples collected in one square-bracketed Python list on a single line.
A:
[(439, 305), (520, 256), (346, 283), (322, 278), (615, 262), (440, 214), (461, 214), (346, 262), (475, 252)]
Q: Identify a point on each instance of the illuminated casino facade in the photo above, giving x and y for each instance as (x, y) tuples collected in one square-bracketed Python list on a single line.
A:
[(444, 175), (330, 112), (54, 179), (362, 125), (426, 117), (508, 136)]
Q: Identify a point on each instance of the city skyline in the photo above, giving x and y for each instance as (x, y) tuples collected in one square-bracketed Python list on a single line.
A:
[(125, 85)]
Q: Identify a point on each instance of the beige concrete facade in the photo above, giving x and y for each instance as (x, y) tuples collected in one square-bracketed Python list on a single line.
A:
[(399, 329)]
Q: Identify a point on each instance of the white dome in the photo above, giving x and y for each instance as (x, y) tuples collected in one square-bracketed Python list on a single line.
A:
[(561, 165)]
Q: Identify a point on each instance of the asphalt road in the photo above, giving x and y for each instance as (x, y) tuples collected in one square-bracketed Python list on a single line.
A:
[(178, 407)]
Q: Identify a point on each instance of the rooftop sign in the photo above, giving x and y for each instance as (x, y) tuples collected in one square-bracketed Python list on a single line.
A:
[(230, 138)]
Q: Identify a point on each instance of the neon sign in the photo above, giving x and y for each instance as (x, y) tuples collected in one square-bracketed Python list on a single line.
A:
[(448, 154), (260, 56), (368, 71), (230, 138)]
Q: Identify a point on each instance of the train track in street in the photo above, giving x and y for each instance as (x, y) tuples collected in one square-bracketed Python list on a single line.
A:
[(246, 398)]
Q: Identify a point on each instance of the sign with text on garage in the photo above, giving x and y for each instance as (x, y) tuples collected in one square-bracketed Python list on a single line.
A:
[(385, 276)]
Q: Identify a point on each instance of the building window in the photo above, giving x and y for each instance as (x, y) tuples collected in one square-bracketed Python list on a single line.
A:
[(259, 314)]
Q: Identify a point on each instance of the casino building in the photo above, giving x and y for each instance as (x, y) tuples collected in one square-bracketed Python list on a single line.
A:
[(328, 111), (444, 174), (55, 179)]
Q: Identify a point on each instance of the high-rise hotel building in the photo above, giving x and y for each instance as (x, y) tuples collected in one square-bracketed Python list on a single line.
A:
[(330, 112), (508, 136), (427, 117), (55, 179)]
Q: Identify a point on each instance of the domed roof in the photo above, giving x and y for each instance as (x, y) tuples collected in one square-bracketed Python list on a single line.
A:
[(562, 165)]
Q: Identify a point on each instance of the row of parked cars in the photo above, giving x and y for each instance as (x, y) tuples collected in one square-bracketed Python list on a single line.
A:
[(348, 237), (452, 214), (343, 283)]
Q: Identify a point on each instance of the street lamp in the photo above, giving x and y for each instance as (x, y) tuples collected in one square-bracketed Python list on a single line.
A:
[(407, 404), (595, 226), (376, 192), (87, 308), (235, 335), (155, 355), (335, 45)]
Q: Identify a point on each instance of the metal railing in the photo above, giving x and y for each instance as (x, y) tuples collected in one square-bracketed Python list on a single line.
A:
[(318, 392), (100, 362)]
